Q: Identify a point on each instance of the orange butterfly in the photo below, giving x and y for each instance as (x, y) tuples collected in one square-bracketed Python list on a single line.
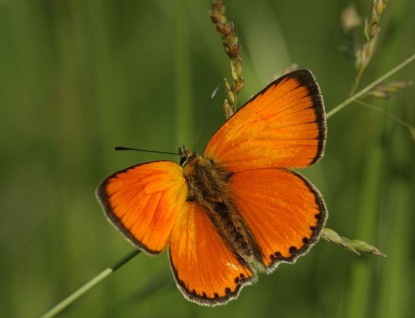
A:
[(237, 205)]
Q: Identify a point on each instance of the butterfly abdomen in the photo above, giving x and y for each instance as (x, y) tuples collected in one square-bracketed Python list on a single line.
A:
[(208, 187)]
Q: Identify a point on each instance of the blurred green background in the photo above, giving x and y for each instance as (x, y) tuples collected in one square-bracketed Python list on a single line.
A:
[(78, 77)]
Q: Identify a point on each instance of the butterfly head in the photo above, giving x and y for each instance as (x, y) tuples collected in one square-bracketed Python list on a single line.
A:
[(185, 155)]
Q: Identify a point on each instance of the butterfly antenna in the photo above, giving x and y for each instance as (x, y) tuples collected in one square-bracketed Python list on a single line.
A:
[(204, 117), (145, 150)]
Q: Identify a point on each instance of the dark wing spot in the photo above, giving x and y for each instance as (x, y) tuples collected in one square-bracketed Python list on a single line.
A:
[(227, 291), (292, 249), (242, 276), (312, 228), (317, 216), (236, 280), (275, 256)]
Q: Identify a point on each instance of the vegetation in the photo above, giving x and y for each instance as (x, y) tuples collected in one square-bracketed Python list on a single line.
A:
[(80, 77)]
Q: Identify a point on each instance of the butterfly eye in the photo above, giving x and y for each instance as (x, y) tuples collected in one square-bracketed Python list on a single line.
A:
[(183, 161)]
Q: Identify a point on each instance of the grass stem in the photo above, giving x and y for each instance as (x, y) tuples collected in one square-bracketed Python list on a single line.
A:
[(369, 87), (97, 279)]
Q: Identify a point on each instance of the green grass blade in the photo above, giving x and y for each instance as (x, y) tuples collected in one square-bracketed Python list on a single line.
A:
[(96, 280)]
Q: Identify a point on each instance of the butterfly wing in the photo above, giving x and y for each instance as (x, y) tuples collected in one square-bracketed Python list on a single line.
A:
[(205, 269), (143, 202), (282, 126), (284, 212)]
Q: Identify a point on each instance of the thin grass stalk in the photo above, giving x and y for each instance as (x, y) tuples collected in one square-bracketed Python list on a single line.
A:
[(378, 109), (90, 284), (370, 86)]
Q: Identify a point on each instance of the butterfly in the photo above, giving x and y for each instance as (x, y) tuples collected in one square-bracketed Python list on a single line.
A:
[(237, 209)]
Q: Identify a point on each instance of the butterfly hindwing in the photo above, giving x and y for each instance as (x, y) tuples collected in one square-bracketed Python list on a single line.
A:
[(205, 268), (284, 212), (281, 127), (143, 201)]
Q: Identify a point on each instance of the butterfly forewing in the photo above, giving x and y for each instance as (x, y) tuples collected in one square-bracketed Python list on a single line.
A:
[(283, 126), (143, 202)]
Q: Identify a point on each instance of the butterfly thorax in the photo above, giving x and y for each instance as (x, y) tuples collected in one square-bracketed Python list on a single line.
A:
[(205, 181), (207, 186)]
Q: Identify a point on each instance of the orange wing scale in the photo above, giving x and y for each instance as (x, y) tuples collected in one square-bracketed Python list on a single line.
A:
[(205, 269), (143, 202), (281, 127), (284, 212)]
